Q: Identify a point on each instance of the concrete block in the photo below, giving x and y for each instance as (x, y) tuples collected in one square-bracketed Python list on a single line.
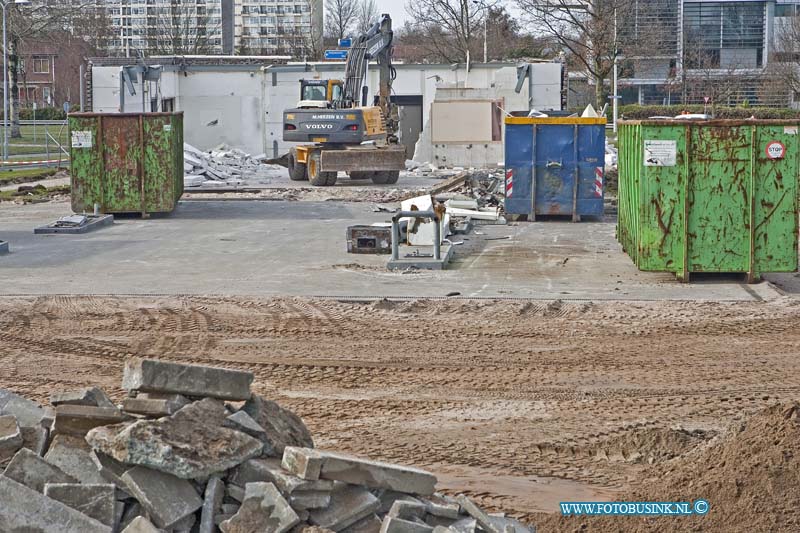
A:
[(357, 471), (398, 525), (370, 524), (408, 510), (26, 510), (241, 421), (483, 520), (270, 470), (197, 446), (234, 492), (388, 497), (263, 509), (464, 525), (282, 427), (10, 436), (443, 509), (212, 503), (149, 375), (141, 524), (79, 419), (95, 501), (35, 439), (110, 469), (153, 407), (185, 525), (73, 455), (223, 517), (28, 413), (166, 498), (93, 397), (304, 463), (309, 499), (349, 504), (29, 469)]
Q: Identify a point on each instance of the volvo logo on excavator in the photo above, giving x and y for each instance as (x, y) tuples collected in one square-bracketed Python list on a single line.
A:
[(319, 126)]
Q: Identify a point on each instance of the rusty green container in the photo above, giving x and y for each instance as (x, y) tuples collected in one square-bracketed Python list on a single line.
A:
[(126, 162), (709, 196)]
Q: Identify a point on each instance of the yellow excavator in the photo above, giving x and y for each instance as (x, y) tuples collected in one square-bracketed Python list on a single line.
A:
[(343, 133)]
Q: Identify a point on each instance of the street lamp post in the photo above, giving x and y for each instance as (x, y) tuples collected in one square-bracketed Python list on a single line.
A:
[(616, 72), (5, 77), (485, 29)]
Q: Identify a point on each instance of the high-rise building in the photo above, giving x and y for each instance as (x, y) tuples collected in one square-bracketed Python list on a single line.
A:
[(194, 27), (682, 51)]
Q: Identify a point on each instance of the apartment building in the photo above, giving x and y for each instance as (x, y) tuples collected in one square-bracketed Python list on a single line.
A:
[(679, 51), (192, 27)]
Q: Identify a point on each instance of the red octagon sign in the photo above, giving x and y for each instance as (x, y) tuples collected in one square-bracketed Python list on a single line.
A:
[(776, 150)]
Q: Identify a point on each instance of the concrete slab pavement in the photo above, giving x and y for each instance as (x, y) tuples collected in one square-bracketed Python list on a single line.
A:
[(270, 248)]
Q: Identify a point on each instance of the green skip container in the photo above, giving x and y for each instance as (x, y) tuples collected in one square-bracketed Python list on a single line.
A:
[(126, 162), (709, 196)]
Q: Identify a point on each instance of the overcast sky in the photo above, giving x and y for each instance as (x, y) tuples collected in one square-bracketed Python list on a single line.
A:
[(395, 8)]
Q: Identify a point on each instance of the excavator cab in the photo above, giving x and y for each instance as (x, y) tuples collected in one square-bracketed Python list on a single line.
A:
[(319, 93)]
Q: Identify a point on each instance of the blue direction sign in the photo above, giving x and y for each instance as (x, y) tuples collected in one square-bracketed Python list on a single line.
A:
[(346, 43), (335, 54)]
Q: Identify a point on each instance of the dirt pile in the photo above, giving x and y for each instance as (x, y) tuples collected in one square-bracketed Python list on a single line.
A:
[(750, 476)]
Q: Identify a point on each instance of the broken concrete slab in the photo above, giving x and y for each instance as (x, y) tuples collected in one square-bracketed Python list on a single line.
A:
[(399, 525), (304, 463), (28, 413), (212, 503), (141, 524), (91, 396), (464, 525), (185, 525), (153, 407), (10, 436), (305, 500), (349, 504), (130, 512), (241, 421), (25, 509), (388, 497), (370, 524), (166, 498), (79, 419), (483, 519), (443, 509), (357, 471), (234, 492), (282, 427), (73, 455), (263, 509), (187, 444), (95, 501), (150, 375), (110, 469), (35, 439), (30, 470), (270, 470), (408, 510)]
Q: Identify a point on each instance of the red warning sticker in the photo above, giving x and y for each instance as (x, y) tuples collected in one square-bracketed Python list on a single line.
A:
[(776, 150)]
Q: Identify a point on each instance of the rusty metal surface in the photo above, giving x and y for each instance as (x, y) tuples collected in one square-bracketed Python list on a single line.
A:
[(364, 158), (725, 200), (131, 162)]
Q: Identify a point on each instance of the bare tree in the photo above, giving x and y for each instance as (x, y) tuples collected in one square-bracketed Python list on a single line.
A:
[(32, 23), (454, 28), (340, 16), (368, 15), (179, 29), (781, 77), (586, 29)]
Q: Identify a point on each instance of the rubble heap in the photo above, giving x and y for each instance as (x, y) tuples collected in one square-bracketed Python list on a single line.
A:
[(193, 450), (220, 167)]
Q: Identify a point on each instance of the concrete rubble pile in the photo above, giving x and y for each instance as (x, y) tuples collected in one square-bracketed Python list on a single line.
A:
[(192, 449), (221, 167)]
